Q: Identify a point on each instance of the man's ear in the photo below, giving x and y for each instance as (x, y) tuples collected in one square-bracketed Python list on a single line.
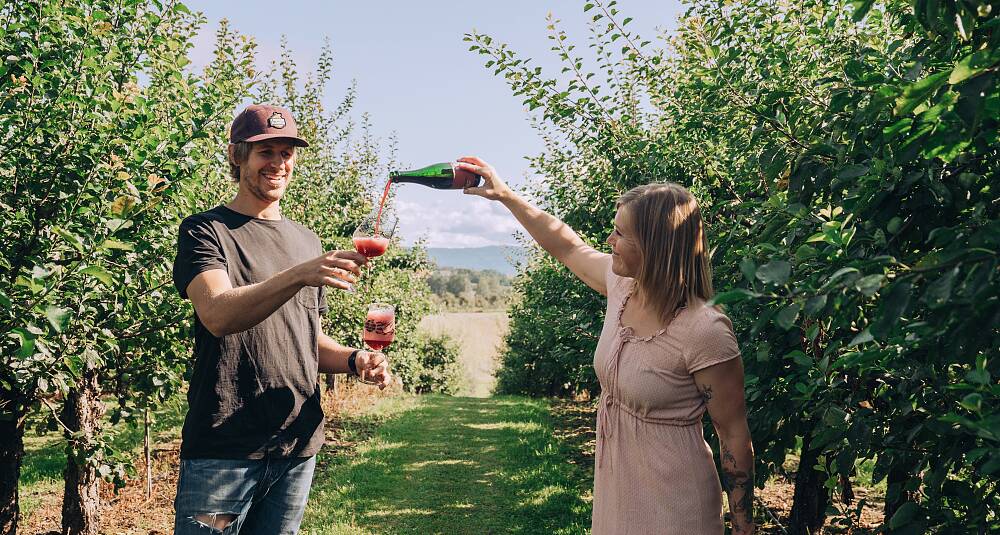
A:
[(231, 151)]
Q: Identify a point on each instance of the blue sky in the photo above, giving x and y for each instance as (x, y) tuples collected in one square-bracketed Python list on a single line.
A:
[(417, 79)]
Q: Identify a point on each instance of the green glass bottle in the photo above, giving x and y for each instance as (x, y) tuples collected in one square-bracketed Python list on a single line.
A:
[(445, 175)]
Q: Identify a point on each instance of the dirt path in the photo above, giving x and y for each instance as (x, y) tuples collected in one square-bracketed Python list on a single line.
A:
[(480, 335)]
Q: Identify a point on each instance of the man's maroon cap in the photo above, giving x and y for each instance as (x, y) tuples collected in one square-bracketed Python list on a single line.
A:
[(262, 121)]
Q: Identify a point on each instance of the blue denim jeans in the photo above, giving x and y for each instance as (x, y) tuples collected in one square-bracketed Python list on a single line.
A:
[(249, 497)]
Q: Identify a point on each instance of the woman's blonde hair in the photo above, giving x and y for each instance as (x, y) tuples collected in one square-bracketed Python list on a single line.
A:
[(675, 268)]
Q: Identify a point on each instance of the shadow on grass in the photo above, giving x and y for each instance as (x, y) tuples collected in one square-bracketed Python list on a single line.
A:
[(456, 465)]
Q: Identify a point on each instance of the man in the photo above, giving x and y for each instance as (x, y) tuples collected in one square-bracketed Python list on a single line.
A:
[(258, 285)]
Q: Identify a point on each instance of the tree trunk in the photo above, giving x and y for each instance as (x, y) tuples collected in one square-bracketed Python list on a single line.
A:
[(895, 495), (331, 384), (11, 454), (81, 501), (146, 455), (846, 491), (811, 497)]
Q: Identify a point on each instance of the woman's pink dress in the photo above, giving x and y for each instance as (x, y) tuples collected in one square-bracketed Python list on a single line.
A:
[(654, 472)]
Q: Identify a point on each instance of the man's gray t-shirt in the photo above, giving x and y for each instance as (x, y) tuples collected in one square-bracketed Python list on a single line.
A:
[(254, 394)]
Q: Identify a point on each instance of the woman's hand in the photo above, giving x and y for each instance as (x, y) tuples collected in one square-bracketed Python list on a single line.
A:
[(493, 187)]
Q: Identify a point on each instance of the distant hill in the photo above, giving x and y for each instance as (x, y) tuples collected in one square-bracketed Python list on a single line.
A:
[(495, 257)]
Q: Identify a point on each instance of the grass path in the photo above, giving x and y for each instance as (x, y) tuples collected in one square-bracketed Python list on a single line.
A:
[(453, 465)]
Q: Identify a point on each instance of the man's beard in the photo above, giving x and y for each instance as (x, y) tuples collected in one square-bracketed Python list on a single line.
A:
[(265, 195)]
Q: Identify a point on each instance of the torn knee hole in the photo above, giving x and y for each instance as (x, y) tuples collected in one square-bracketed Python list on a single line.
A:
[(219, 521)]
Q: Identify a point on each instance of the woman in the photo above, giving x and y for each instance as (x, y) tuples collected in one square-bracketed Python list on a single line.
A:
[(663, 359)]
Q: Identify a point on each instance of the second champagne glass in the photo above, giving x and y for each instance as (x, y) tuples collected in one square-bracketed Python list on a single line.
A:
[(380, 328)]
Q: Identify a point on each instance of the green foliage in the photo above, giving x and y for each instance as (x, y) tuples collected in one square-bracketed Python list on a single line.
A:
[(429, 364), (845, 155), (555, 322), (461, 289), (102, 130)]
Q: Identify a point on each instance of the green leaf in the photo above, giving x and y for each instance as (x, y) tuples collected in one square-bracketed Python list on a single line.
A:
[(58, 318), (917, 93), (26, 339), (834, 416), (897, 127), (973, 65), (100, 274), (774, 272), (800, 358), (115, 244), (861, 8), (870, 284), (894, 305), (904, 515), (749, 268), (981, 377), (72, 364), (840, 273), (786, 318), (70, 238), (815, 305), (862, 337), (853, 171), (731, 296), (973, 402), (939, 292)]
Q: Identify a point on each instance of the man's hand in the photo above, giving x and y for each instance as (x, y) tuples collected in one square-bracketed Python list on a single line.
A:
[(373, 367), (333, 268)]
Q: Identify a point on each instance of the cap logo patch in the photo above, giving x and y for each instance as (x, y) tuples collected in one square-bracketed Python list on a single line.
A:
[(276, 120)]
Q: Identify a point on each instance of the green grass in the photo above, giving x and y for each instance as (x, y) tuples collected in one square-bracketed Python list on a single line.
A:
[(453, 465)]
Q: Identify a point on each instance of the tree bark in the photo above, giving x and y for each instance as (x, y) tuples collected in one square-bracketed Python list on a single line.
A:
[(811, 497), (896, 496), (11, 454), (146, 454), (81, 501), (846, 490)]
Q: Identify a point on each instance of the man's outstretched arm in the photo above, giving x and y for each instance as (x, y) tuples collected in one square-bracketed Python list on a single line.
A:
[(227, 310)]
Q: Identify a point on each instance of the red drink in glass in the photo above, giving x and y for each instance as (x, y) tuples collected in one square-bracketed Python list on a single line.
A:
[(380, 326), (371, 246)]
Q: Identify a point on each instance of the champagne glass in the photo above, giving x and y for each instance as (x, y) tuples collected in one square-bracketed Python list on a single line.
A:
[(373, 235), (380, 328)]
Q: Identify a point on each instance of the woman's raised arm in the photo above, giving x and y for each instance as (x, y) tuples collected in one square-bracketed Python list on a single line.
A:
[(556, 237)]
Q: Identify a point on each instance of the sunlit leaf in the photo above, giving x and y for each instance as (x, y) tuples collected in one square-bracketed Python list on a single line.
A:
[(774, 272), (58, 318)]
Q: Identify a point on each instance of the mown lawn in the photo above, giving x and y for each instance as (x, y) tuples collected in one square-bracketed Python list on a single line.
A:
[(453, 465)]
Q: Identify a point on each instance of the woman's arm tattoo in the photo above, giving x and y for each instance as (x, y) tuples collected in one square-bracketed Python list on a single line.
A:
[(706, 393), (738, 484)]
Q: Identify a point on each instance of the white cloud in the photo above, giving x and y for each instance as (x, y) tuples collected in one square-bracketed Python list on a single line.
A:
[(451, 222)]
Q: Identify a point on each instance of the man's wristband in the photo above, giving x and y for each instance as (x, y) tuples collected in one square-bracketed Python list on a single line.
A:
[(351, 361)]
